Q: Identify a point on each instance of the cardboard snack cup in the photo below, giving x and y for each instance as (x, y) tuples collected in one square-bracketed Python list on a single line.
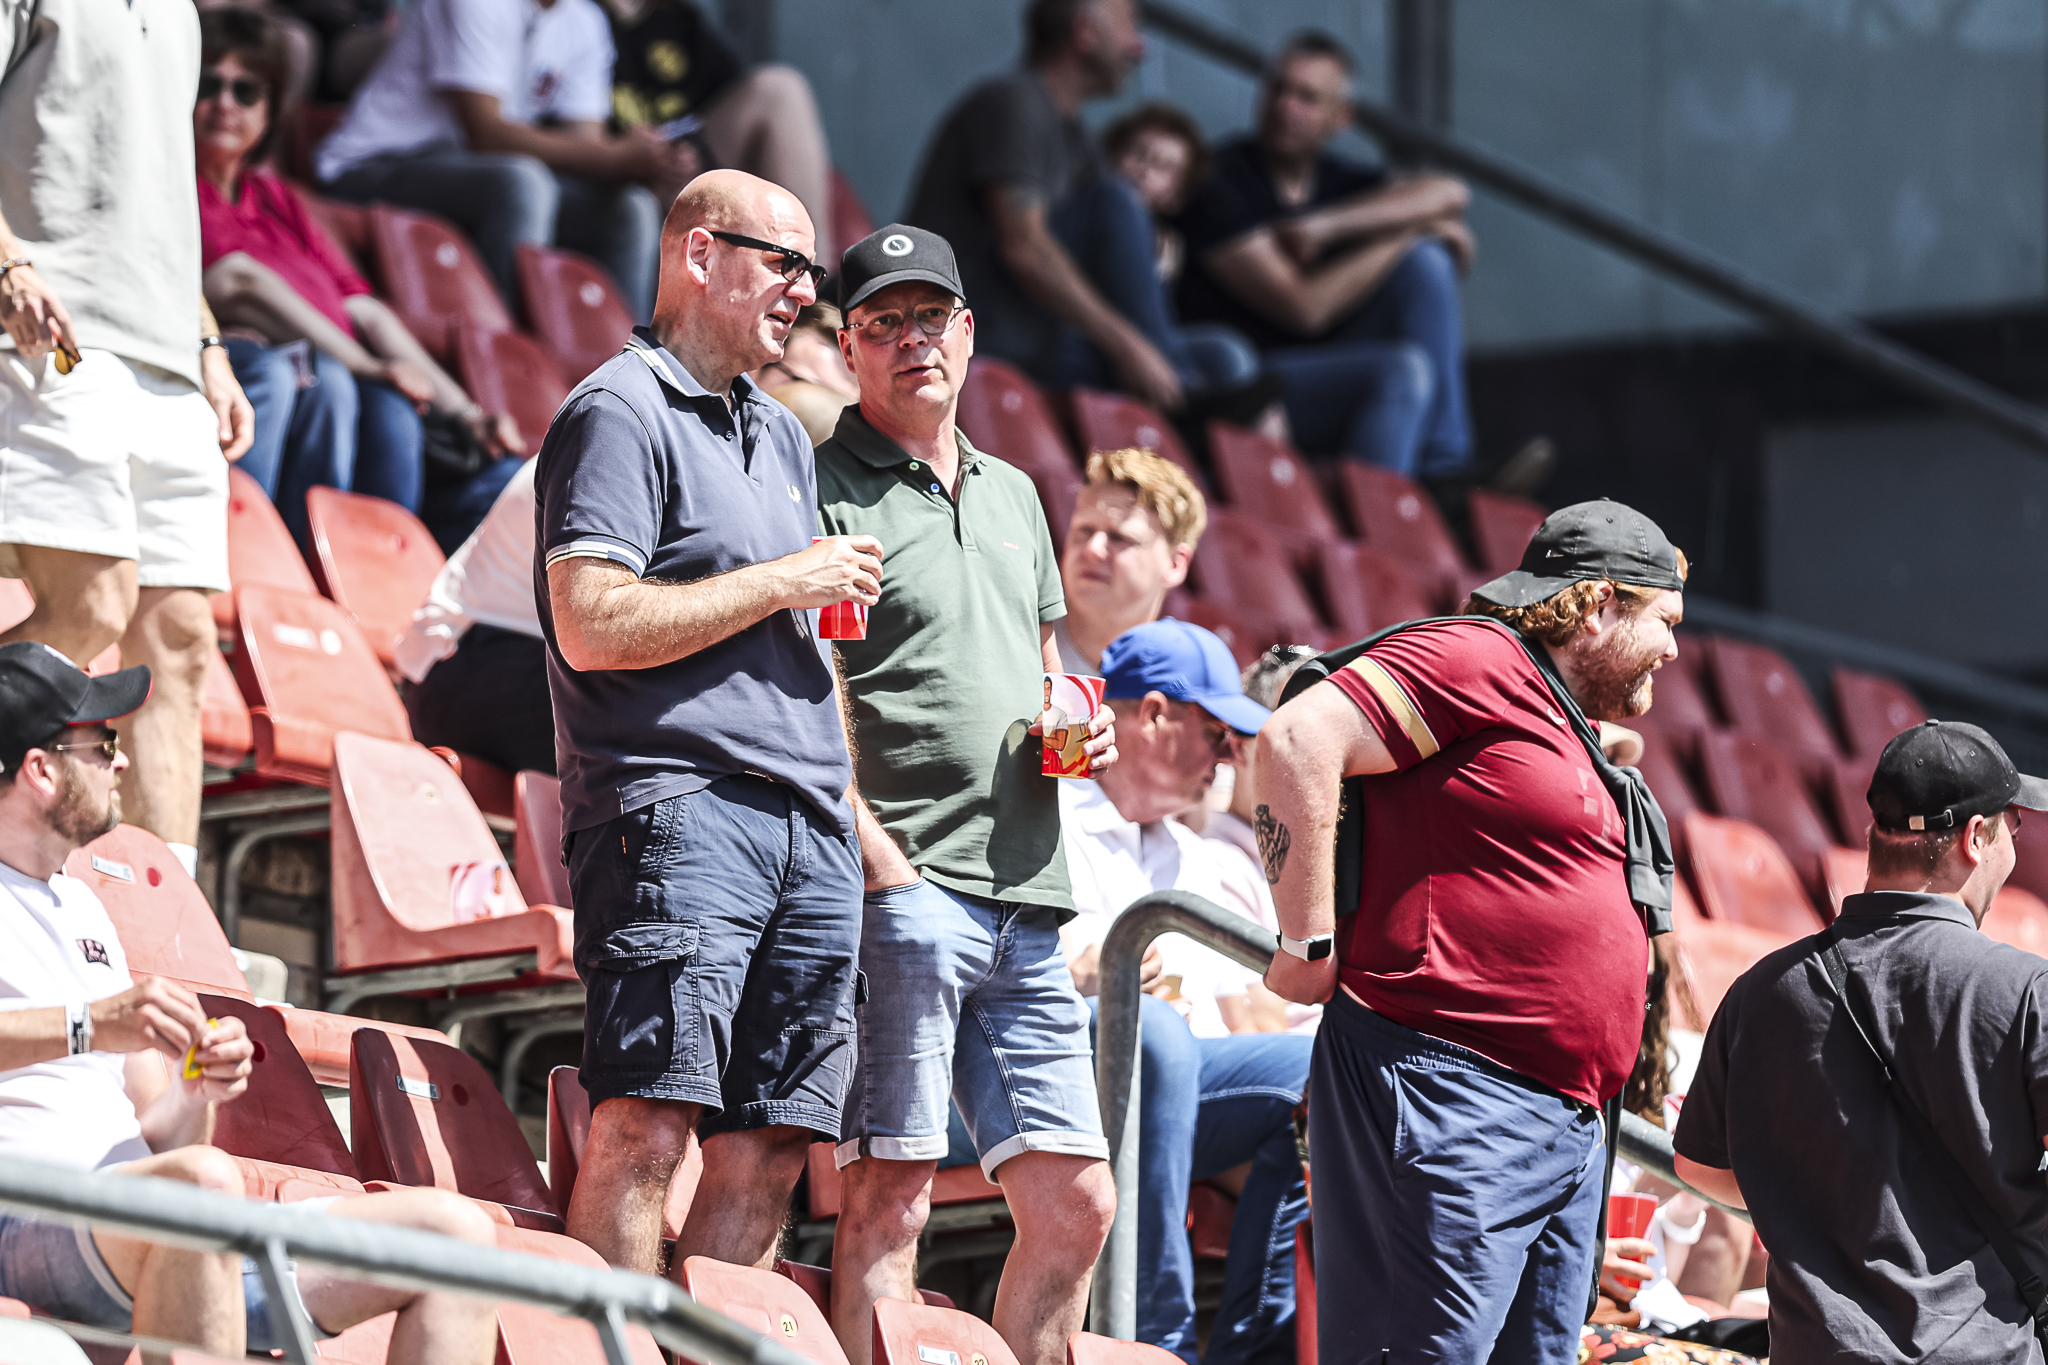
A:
[(846, 620), (1071, 699)]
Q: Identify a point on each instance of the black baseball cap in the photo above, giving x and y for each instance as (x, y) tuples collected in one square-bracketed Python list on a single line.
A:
[(1588, 540), (41, 692), (1940, 773), (892, 255)]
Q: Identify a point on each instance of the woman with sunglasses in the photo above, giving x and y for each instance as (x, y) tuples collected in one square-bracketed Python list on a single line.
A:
[(338, 382)]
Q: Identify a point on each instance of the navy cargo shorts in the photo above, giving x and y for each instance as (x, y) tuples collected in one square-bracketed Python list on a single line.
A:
[(717, 934)]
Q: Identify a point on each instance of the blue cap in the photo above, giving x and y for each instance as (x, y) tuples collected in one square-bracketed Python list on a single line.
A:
[(1183, 662)]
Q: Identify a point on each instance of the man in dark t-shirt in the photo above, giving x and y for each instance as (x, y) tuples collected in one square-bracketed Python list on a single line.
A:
[(1872, 1257), (1345, 278)]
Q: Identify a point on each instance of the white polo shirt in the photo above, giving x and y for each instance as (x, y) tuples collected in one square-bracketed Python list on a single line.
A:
[(57, 947)]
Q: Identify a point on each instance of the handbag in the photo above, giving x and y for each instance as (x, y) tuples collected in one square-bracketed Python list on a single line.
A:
[(449, 450)]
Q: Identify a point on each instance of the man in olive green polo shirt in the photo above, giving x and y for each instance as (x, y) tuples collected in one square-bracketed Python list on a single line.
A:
[(968, 992)]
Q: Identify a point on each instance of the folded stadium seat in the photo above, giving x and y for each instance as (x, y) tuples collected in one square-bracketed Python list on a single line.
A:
[(282, 1118), (347, 224), (1764, 696), (766, 1302), (1752, 781), (226, 734), (1110, 421), (1678, 707), (1244, 566), (1501, 529), (1872, 709), (424, 1113), (816, 1282), (2019, 917), (509, 372), (306, 123), (1668, 783), (1848, 871), (535, 1336), (1210, 1212), (922, 1334), (1846, 783), (404, 827), (375, 559), (1711, 955), (1245, 642), (1305, 1290), (260, 551), (308, 674), (1745, 878), (167, 929), (324, 1041), (1086, 1348), (1266, 479), (1366, 591), (1397, 518), (1005, 415), (851, 220), (573, 307), (537, 839), (433, 280)]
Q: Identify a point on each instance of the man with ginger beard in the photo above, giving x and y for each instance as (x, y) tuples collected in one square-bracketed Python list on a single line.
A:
[(704, 771), (1486, 992)]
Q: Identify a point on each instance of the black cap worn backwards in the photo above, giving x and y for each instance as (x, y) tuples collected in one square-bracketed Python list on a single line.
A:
[(1937, 775), (41, 692), (1588, 540), (897, 253)]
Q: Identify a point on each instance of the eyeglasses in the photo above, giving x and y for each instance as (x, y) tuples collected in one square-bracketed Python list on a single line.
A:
[(107, 747), (932, 319), (247, 91), (790, 264), (2013, 812)]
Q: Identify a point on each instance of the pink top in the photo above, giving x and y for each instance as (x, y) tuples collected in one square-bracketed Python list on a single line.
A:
[(272, 225)]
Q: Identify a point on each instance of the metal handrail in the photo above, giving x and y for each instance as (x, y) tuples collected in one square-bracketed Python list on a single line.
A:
[(168, 1211), (1113, 1310), (1836, 333)]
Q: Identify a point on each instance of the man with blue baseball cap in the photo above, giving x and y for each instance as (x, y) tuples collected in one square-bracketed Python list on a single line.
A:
[(1212, 1104)]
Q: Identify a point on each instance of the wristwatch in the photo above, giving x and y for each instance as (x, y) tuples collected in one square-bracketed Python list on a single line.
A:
[(1309, 949)]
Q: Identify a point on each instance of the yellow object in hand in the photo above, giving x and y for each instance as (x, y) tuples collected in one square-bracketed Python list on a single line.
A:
[(193, 1070)]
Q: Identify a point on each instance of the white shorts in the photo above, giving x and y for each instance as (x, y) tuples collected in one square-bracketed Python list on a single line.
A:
[(116, 458)]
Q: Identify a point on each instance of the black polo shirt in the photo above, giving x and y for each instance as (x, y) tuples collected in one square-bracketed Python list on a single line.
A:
[(1871, 1257)]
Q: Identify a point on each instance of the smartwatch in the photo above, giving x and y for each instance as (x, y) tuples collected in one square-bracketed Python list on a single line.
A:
[(1309, 949)]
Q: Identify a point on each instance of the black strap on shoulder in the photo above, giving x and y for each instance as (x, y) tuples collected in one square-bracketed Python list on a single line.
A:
[(1944, 1162)]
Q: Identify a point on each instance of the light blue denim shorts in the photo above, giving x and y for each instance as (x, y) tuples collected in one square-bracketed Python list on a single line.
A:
[(968, 998)]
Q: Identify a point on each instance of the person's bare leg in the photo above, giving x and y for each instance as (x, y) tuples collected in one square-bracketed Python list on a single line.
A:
[(83, 602), (181, 1295), (1715, 1264), (634, 1148), (766, 123), (883, 1206), (172, 632), (432, 1329), (1062, 1206), (748, 1177)]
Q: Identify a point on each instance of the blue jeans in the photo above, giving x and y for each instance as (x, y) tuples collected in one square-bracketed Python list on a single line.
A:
[(360, 436), (452, 511), (1457, 1203), (1108, 231), (1206, 1105)]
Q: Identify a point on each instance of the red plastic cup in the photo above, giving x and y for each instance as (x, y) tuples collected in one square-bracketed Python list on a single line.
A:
[(846, 620), (1629, 1215)]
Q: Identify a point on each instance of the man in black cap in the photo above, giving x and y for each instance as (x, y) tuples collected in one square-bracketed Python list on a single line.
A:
[(1877, 1095), (1486, 992), (968, 990)]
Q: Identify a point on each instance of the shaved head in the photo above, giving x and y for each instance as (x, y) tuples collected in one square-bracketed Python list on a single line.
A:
[(733, 201), (722, 307)]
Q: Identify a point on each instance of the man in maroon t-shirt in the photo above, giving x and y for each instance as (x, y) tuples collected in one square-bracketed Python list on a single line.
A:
[(1487, 997)]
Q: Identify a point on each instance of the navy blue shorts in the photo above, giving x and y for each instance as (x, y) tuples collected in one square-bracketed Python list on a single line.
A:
[(717, 934), (1456, 1202)]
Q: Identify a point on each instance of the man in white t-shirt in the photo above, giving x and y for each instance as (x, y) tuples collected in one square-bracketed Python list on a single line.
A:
[(1212, 1105), (84, 1082), (492, 113)]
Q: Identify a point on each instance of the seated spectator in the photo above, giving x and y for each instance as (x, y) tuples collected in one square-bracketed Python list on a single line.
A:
[(1134, 529), (1210, 1102), (87, 1080), (1057, 255), (337, 382), (492, 113), (1346, 279), (674, 66), (1160, 151), (812, 379), (475, 666)]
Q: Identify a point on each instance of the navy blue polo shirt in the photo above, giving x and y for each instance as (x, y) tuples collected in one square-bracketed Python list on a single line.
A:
[(645, 467)]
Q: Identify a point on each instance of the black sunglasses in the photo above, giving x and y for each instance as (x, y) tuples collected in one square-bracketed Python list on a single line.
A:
[(247, 91), (107, 747), (789, 263)]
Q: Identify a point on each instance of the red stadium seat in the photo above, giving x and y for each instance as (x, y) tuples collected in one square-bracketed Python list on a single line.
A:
[(816, 1282), (1397, 518), (2020, 918), (1210, 1212), (309, 674), (1846, 783), (1711, 955), (1752, 781), (537, 839), (167, 929), (851, 220), (325, 1041), (433, 280), (1501, 529), (1668, 783), (509, 372), (1086, 1348), (402, 825), (1110, 421), (1872, 710), (226, 734), (920, 1334), (424, 1113), (1848, 871), (347, 224), (574, 308), (1678, 709), (282, 1117), (1745, 878), (1366, 591), (1005, 415), (1244, 566), (535, 1336), (375, 559), (1764, 697), (770, 1304), (260, 550), (1245, 642), (1266, 479)]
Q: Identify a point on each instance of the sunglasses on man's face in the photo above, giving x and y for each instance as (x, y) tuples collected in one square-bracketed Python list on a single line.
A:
[(107, 748), (246, 91), (790, 264)]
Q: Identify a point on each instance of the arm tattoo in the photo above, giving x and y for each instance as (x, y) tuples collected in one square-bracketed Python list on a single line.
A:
[(1273, 842)]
